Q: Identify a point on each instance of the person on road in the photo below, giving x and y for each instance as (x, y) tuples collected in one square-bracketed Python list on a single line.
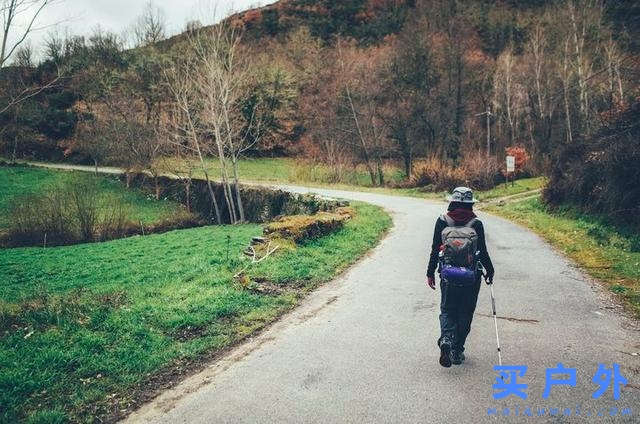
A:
[(458, 249)]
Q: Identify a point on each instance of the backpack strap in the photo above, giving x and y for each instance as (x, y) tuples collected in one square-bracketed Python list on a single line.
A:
[(446, 218), (470, 223), (451, 223)]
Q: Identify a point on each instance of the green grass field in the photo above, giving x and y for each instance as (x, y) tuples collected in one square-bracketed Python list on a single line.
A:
[(608, 253), (287, 170), (516, 187), (85, 328), (24, 180)]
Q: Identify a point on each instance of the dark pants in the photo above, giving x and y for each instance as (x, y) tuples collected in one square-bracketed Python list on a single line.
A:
[(457, 305)]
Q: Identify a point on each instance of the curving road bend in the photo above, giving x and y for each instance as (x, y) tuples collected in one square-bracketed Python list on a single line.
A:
[(363, 347)]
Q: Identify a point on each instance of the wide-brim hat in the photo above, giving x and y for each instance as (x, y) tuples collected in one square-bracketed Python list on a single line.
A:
[(462, 195)]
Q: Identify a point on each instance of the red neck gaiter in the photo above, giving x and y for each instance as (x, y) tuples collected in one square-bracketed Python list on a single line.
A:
[(461, 216)]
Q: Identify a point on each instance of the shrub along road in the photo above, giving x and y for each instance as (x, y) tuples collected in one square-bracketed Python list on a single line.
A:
[(363, 348)]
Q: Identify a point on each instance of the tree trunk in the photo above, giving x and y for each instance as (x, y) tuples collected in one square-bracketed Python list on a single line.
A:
[(234, 165), (157, 186), (565, 89), (408, 162), (617, 72), (212, 193), (15, 149), (459, 104), (578, 45), (508, 79), (187, 190), (372, 173), (228, 194), (538, 43), (380, 172), (363, 143), (234, 161), (567, 115)]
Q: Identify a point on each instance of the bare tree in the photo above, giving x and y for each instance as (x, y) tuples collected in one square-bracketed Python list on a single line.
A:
[(24, 56), (565, 76), (192, 26), (505, 90), (222, 80), (579, 35), (94, 139), (14, 40), (214, 88), (139, 145), (364, 122), (614, 59), (150, 27), (186, 127), (182, 164), (14, 34), (317, 105), (537, 45), (585, 31)]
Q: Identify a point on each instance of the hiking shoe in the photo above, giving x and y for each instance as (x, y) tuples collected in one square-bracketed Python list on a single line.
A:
[(445, 353), (457, 357)]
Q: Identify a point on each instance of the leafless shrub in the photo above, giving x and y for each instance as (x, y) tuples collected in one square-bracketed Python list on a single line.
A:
[(40, 220), (475, 171), (67, 214), (480, 172), (83, 205), (115, 222)]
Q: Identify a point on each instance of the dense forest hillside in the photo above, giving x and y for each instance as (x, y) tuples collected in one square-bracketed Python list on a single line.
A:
[(351, 83), (368, 21)]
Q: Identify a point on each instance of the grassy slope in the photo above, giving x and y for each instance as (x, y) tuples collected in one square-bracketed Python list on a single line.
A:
[(86, 323), (609, 254), (512, 188), (16, 181), (290, 170)]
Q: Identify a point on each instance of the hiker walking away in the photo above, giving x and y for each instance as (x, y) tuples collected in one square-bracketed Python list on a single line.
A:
[(458, 249)]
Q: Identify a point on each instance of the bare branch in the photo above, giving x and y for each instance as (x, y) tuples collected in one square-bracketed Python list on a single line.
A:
[(10, 10), (29, 92)]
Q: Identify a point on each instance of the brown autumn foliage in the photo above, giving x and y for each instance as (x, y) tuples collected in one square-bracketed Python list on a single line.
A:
[(475, 171), (361, 83)]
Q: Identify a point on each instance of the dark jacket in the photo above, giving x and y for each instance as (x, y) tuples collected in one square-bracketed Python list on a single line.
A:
[(485, 260)]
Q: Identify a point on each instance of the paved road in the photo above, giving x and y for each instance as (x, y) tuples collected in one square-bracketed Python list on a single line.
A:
[(363, 348)]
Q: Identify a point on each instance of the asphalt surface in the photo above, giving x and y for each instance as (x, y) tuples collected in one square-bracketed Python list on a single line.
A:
[(363, 347)]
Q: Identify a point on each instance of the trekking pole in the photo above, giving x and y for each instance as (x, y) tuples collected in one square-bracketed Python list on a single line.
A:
[(495, 319)]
